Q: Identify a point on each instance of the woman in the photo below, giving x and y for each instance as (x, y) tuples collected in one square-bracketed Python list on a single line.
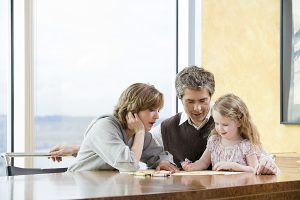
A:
[(121, 140)]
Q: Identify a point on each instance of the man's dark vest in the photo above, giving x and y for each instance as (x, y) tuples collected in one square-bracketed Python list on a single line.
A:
[(184, 141)]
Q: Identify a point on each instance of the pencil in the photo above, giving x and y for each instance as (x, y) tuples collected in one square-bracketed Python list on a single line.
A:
[(159, 175)]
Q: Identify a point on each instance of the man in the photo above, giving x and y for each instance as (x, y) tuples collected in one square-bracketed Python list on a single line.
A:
[(185, 134)]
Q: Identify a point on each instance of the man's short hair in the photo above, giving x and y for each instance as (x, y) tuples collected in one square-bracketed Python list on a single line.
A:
[(196, 78)]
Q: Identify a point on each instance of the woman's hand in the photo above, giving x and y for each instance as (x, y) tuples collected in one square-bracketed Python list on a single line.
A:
[(134, 123), (63, 149)]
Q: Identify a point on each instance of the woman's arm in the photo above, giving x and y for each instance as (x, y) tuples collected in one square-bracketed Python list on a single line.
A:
[(155, 156), (135, 125), (106, 138), (63, 149)]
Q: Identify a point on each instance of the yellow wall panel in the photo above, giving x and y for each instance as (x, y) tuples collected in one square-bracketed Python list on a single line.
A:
[(241, 46)]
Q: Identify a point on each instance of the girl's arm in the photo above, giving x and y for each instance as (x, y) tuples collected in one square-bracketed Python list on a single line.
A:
[(202, 163), (252, 162)]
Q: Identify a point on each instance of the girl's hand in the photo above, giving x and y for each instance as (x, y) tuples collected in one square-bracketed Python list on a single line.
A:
[(166, 165), (228, 166), (134, 123), (186, 166)]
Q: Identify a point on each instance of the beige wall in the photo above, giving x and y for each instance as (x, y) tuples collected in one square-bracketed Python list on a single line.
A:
[(241, 46)]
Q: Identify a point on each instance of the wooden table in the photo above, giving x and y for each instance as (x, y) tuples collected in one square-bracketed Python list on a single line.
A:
[(288, 162), (113, 185)]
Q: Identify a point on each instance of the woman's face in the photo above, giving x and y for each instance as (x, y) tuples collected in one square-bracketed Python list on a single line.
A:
[(148, 118)]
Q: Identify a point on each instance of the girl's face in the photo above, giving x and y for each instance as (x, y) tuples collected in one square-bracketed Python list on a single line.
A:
[(148, 118), (226, 127)]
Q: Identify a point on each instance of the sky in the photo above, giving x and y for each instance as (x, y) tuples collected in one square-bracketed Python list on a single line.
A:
[(88, 52), (4, 54)]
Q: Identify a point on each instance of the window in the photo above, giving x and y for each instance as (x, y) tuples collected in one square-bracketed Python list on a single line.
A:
[(290, 62), (4, 67), (72, 59), (86, 52)]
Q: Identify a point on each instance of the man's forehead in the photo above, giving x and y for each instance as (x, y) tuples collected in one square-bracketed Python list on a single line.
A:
[(203, 92)]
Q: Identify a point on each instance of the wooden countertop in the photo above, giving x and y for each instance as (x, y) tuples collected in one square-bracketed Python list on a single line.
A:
[(288, 162), (113, 185)]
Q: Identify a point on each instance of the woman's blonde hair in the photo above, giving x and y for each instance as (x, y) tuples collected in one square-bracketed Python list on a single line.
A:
[(233, 107), (137, 97)]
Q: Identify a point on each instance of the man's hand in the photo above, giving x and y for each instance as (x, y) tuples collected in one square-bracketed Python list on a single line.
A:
[(166, 165), (266, 166)]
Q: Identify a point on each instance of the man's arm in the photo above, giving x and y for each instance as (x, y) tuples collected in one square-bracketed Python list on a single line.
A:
[(156, 134)]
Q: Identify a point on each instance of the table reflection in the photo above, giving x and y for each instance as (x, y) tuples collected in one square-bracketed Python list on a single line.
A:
[(113, 184)]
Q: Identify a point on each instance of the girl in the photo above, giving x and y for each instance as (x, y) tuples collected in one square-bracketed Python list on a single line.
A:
[(234, 142)]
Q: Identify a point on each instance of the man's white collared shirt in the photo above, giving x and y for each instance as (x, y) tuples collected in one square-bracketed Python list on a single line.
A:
[(156, 131)]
